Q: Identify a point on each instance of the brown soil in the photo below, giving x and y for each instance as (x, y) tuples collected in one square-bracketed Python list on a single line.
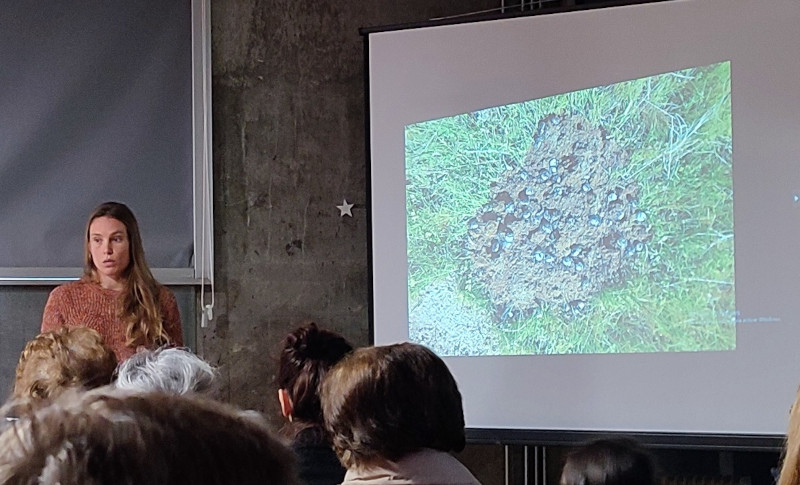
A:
[(561, 227)]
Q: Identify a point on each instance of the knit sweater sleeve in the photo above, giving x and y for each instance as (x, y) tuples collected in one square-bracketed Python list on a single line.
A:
[(53, 317), (171, 316)]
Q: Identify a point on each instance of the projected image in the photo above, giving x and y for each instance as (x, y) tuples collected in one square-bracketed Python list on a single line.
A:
[(596, 221)]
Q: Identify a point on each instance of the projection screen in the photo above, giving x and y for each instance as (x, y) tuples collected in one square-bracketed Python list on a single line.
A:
[(592, 216)]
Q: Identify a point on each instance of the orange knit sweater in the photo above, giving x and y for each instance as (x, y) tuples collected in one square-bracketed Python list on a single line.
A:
[(86, 304)]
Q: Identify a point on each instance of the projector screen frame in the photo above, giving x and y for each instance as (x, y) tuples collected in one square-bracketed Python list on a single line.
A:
[(510, 436), (496, 14)]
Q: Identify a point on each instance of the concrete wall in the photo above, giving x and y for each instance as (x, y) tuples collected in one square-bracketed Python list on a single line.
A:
[(288, 107)]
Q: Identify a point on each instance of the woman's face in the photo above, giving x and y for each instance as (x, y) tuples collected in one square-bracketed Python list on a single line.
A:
[(110, 248)]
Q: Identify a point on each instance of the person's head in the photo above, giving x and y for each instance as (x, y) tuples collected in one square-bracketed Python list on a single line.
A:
[(171, 370), (307, 353), (382, 403), (113, 243), (114, 436), (619, 461), (114, 255), (790, 466), (62, 359)]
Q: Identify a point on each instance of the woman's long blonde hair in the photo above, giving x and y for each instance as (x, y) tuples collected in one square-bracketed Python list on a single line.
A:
[(790, 469), (139, 306)]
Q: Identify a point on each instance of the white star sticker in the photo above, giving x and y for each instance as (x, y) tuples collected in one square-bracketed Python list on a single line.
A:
[(344, 209)]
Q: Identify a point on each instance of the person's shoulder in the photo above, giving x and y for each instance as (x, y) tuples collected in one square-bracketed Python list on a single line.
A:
[(68, 289), (433, 466), (165, 294)]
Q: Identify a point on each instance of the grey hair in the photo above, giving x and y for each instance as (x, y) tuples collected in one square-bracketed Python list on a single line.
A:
[(169, 370)]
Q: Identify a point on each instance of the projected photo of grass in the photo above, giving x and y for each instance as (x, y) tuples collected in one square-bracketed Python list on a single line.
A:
[(596, 221)]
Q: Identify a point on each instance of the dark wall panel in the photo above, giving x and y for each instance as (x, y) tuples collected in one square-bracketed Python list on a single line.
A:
[(95, 105)]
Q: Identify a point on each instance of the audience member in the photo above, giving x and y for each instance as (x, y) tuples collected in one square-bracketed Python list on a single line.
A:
[(173, 370), (790, 466), (117, 295), (62, 359), (394, 413), (306, 355), (618, 461), (115, 437)]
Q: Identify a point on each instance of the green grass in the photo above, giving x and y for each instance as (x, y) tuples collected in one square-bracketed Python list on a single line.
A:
[(679, 295)]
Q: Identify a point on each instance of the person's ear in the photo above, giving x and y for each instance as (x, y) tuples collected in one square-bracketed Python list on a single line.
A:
[(286, 403)]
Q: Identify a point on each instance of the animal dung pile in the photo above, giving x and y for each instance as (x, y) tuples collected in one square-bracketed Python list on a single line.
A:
[(560, 227)]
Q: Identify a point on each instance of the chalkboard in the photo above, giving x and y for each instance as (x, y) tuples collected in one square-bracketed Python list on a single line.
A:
[(96, 104)]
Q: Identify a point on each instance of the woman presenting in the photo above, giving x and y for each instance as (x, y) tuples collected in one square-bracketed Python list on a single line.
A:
[(117, 295)]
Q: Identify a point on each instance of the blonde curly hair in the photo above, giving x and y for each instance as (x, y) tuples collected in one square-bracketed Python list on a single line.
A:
[(62, 359)]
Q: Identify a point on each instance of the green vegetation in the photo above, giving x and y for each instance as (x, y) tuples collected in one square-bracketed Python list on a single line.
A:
[(679, 293)]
